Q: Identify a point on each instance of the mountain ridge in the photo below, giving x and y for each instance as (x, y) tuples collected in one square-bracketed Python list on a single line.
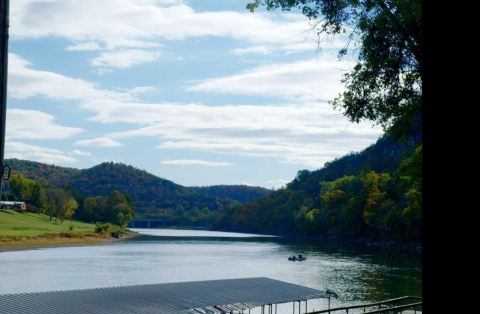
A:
[(148, 191)]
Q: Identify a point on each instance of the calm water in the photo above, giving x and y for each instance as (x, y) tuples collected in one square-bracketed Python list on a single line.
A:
[(357, 275)]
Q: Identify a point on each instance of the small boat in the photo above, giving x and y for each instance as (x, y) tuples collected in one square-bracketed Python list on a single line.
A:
[(297, 258)]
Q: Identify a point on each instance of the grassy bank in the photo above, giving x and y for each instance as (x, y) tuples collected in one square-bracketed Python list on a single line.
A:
[(28, 230), (14, 224)]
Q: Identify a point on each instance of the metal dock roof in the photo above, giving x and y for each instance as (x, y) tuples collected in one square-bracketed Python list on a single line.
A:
[(212, 296)]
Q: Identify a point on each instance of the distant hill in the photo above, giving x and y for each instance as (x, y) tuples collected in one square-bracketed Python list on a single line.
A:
[(148, 192), (47, 175)]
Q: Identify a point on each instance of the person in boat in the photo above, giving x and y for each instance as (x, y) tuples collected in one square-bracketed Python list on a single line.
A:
[(301, 257)]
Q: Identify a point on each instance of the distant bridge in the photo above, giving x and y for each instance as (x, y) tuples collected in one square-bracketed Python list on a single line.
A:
[(148, 223)]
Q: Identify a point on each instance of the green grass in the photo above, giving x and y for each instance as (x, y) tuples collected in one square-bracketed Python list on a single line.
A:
[(14, 225)]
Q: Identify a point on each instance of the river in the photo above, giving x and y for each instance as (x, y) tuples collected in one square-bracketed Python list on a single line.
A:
[(356, 274)]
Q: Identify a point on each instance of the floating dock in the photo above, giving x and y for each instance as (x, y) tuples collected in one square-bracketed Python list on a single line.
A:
[(227, 296), (213, 296)]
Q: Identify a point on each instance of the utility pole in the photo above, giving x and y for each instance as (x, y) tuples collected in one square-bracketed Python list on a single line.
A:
[(4, 23)]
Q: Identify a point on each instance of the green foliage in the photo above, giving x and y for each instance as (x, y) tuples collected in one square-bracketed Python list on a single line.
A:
[(385, 86), (70, 206), (152, 197), (150, 193), (53, 201), (115, 208), (105, 228), (46, 175), (411, 177), (373, 194), (23, 189), (411, 168), (60, 204), (39, 197)]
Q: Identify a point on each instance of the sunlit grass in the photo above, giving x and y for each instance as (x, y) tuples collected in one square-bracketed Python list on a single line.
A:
[(15, 225)]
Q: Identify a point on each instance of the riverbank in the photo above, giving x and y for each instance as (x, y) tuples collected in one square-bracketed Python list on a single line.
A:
[(60, 240), (22, 231)]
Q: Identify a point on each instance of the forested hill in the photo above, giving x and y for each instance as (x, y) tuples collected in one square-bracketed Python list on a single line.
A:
[(47, 175), (148, 192), (383, 156), (373, 194)]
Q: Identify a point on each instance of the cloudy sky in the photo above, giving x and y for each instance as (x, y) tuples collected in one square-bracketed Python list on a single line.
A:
[(200, 92)]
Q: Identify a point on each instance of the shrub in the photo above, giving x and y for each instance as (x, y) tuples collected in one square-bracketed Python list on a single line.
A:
[(105, 227)]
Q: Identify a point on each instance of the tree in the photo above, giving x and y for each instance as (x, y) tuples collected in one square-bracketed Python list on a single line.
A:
[(93, 208), (38, 197), (21, 187), (411, 174), (28, 190), (60, 204), (70, 206), (385, 86), (115, 208), (341, 207), (377, 202)]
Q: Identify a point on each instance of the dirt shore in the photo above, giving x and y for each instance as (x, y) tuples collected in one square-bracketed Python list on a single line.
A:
[(26, 243)]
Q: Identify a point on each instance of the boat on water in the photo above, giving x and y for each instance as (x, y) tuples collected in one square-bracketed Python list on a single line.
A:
[(297, 258)]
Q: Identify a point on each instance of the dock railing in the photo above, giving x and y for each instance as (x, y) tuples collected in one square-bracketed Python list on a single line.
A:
[(395, 309)]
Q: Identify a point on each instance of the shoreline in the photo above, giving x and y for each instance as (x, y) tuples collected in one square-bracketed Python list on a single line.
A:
[(414, 247), (93, 239), (61, 241)]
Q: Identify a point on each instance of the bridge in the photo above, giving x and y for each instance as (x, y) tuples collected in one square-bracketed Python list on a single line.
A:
[(148, 223)]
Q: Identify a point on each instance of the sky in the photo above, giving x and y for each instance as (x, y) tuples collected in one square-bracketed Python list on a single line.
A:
[(200, 92)]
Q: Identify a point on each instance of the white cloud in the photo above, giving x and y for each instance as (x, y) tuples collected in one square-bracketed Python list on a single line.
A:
[(118, 23), (304, 133), (81, 153), (314, 79), (140, 90), (25, 82), (35, 125), (124, 58), (43, 154), (307, 134), (265, 50), (321, 44), (108, 25), (98, 142), (196, 162), (86, 46), (120, 44)]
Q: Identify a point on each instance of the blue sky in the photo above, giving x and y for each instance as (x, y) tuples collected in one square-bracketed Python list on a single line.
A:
[(200, 92)]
